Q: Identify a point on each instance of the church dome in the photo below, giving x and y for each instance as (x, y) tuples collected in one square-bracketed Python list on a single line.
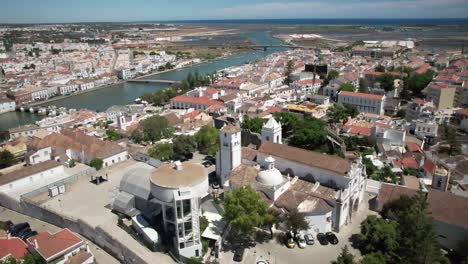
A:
[(270, 176)]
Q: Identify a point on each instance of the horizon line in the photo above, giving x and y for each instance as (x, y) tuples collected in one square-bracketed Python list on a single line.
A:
[(231, 19)]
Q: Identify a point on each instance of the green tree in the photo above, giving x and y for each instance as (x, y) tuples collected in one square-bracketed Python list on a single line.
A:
[(332, 74), (152, 129), (461, 253), (289, 70), (370, 168), (385, 175), (386, 82), (288, 122), (310, 134), (253, 124), (417, 82), (363, 86), (162, 151), (112, 135), (152, 53), (373, 258), (340, 114), (244, 210), (378, 235), (345, 257), (207, 139), (6, 159), (379, 68), (96, 163), (417, 241), (347, 87), (296, 222), (184, 146)]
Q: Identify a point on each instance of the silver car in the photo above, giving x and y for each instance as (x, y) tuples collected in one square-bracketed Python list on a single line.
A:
[(309, 238)]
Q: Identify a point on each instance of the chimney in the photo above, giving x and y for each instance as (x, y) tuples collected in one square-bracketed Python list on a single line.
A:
[(36, 245)]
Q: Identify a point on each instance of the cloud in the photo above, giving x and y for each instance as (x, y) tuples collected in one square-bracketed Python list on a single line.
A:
[(324, 8)]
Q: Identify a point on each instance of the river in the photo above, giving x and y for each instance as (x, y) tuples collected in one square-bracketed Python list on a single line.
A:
[(119, 94)]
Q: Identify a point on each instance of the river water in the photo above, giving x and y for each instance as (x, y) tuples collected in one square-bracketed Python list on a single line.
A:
[(101, 99)]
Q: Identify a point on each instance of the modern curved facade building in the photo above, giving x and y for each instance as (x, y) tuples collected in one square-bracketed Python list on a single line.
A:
[(172, 193), (178, 188)]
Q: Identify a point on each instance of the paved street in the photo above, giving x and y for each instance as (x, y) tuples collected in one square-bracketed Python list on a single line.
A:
[(5, 214), (275, 252)]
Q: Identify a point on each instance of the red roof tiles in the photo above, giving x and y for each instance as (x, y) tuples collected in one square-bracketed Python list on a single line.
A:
[(50, 246), (365, 95), (14, 247), (204, 100)]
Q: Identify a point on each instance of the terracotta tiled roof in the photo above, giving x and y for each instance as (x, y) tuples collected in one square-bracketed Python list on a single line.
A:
[(51, 245), (306, 157), (413, 147), (444, 207), (429, 166), (14, 247), (409, 162), (248, 153), (204, 100), (231, 128), (364, 95), (77, 140)]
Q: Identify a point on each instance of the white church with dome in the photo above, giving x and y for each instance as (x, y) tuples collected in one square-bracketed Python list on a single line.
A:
[(326, 189)]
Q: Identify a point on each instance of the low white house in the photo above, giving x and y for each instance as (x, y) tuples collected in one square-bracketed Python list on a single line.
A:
[(31, 177)]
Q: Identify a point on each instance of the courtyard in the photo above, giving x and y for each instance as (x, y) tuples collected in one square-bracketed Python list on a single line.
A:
[(274, 251)]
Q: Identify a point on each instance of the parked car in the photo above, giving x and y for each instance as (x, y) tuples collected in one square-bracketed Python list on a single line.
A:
[(309, 238), (322, 238), (30, 234), (15, 229), (290, 241), (332, 238), (207, 164), (215, 185), (24, 232), (301, 243), (239, 254)]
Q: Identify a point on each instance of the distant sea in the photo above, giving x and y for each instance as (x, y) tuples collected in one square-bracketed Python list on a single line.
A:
[(354, 22)]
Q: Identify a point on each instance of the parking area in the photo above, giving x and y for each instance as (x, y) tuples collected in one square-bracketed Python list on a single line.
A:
[(275, 251), (5, 214), (91, 203)]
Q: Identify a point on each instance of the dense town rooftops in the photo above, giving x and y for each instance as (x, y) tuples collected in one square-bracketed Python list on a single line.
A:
[(204, 100), (309, 158)]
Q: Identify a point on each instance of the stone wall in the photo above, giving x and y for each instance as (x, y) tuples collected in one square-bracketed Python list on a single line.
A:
[(97, 235)]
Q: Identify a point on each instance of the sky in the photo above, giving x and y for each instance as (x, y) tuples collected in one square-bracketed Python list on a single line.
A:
[(52, 11)]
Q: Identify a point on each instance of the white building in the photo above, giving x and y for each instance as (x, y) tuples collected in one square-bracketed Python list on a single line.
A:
[(229, 155), (368, 103), (31, 177), (271, 132), (7, 105), (326, 189), (172, 193)]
